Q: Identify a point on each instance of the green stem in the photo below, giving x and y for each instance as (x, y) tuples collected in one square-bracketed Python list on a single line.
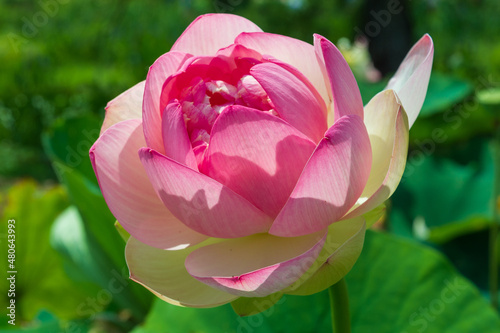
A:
[(493, 246), (339, 303)]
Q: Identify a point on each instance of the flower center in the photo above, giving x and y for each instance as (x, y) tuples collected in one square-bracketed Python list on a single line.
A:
[(220, 93), (205, 99), (206, 86)]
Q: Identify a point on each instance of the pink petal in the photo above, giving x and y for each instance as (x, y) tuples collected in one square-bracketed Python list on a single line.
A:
[(345, 91), (294, 101), (234, 51), (127, 105), (175, 137), (211, 32), (128, 192), (200, 202), (240, 59), (292, 51), (387, 126), (302, 78), (163, 67), (331, 182), (173, 86), (412, 77), (255, 266), (257, 155), (164, 274), (329, 102)]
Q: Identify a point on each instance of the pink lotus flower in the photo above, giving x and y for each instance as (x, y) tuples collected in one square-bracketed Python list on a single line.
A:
[(243, 164)]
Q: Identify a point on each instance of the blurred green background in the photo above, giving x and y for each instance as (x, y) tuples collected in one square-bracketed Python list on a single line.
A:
[(61, 61)]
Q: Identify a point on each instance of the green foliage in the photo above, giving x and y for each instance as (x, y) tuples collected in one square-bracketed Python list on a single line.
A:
[(464, 33), (444, 92), (44, 322), (41, 282), (445, 199), (449, 204), (422, 292)]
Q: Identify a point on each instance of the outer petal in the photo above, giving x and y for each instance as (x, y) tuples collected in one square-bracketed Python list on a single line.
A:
[(175, 137), (127, 105), (163, 273), (321, 62), (412, 77), (340, 252), (163, 67), (387, 126), (200, 202), (331, 182), (128, 192), (295, 52), (346, 96), (251, 152), (294, 101), (211, 32), (255, 266)]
